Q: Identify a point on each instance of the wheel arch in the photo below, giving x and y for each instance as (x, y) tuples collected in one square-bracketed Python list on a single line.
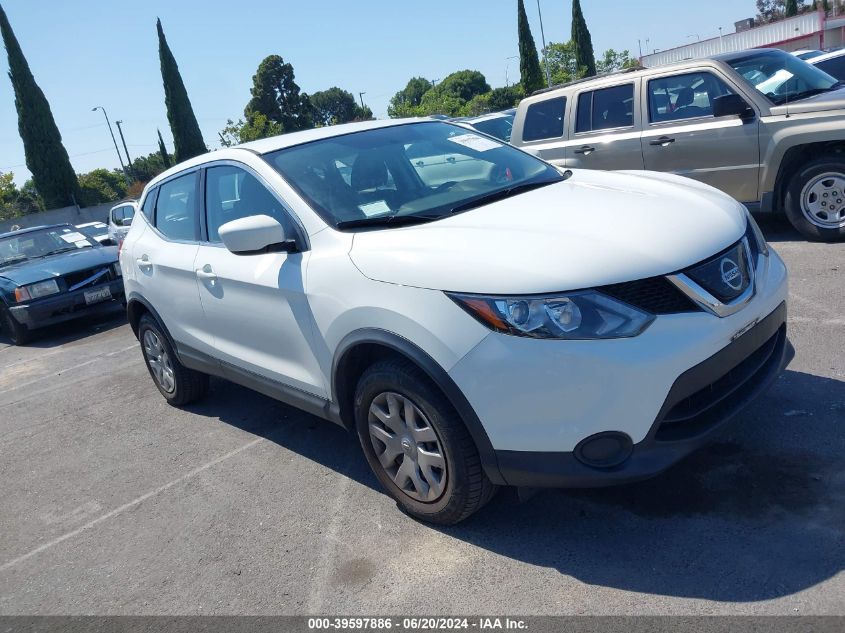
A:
[(796, 156), (359, 349)]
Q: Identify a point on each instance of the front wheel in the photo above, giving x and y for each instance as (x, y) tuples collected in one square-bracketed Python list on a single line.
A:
[(815, 199), (417, 445), (17, 333)]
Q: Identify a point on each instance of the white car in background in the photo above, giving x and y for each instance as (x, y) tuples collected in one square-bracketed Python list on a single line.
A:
[(496, 124), (120, 219), (96, 230), (502, 324), (833, 63)]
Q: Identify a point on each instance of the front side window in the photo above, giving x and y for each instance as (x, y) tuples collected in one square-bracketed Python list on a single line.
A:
[(544, 120), (176, 208), (232, 193), (416, 172), (781, 77), (684, 96), (605, 109)]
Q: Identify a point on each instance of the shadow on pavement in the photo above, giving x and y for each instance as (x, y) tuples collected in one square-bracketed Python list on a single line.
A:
[(749, 518)]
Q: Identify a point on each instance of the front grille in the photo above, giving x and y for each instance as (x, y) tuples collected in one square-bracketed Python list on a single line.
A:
[(656, 295), (699, 411), (71, 279)]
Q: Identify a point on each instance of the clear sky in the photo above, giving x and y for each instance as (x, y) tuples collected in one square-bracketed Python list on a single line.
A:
[(85, 53)]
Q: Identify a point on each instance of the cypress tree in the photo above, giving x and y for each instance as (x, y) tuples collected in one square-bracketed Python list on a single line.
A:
[(585, 60), (162, 150), (187, 138), (46, 156), (791, 8), (531, 76)]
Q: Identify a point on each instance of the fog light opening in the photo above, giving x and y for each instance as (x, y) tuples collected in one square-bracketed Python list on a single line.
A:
[(604, 450)]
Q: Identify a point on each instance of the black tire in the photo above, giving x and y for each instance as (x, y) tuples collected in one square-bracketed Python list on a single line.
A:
[(467, 488), (19, 334), (188, 385), (793, 202)]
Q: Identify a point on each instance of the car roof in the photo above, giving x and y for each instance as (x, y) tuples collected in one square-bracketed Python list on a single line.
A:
[(32, 229), (291, 139), (826, 56), (487, 117)]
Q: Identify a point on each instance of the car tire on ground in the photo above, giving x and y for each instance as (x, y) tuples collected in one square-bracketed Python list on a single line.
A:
[(815, 199), (178, 384), (417, 445), (19, 334)]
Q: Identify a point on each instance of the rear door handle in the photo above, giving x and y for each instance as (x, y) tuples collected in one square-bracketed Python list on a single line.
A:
[(206, 273), (662, 141), (144, 263), (585, 149)]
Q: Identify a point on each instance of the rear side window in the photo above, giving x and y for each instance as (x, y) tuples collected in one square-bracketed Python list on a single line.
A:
[(834, 67), (605, 109), (176, 208), (544, 120)]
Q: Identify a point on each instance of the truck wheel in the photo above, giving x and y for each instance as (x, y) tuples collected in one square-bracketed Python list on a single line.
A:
[(17, 333), (815, 199), (178, 384), (417, 445)]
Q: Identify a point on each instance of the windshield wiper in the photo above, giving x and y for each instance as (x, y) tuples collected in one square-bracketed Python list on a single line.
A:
[(387, 220), (61, 250), (502, 194)]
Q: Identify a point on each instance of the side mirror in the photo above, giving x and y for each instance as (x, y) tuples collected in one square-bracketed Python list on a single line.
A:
[(254, 235), (732, 105)]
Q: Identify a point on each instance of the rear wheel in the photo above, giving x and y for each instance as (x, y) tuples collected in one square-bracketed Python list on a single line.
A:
[(417, 445), (19, 334), (178, 384), (815, 199)]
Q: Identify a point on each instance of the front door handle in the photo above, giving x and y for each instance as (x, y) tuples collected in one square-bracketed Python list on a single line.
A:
[(662, 141), (450, 159), (585, 150), (206, 273)]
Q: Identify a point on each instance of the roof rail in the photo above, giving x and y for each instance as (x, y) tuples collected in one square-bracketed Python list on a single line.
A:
[(575, 82)]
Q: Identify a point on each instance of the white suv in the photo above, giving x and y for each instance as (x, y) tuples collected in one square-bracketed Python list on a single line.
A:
[(513, 325)]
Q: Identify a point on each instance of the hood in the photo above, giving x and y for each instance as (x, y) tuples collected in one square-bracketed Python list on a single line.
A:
[(595, 228), (57, 265), (833, 100)]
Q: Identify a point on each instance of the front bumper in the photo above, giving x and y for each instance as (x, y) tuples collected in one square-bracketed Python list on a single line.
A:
[(700, 402), (65, 306)]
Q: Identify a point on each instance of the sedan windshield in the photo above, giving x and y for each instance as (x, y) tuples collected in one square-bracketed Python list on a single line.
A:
[(782, 77), (42, 243), (406, 174)]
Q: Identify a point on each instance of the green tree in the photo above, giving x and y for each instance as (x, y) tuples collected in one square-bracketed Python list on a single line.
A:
[(255, 127), (436, 102), (187, 138), (504, 98), (531, 76), (276, 95), (463, 85), (479, 104), (162, 150), (102, 185), (148, 167), (403, 102), (561, 60), (335, 105), (612, 60), (584, 58), (46, 156), (791, 8)]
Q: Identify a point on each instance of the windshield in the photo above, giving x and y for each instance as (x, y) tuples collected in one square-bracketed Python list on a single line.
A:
[(500, 127), (93, 230), (41, 243), (782, 77), (416, 172)]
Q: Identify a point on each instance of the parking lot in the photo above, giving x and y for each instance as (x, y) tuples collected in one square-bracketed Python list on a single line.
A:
[(114, 502)]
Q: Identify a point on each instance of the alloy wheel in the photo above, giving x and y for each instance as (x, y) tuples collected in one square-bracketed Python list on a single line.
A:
[(407, 447), (159, 361), (823, 200)]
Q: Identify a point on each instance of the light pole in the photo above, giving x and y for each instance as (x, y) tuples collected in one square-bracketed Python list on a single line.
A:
[(119, 157), (361, 97), (123, 140), (543, 37)]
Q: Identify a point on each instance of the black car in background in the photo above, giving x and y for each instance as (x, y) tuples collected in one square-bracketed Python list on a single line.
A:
[(50, 274)]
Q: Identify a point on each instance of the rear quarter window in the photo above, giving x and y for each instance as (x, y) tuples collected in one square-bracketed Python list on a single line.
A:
[(544, 120)]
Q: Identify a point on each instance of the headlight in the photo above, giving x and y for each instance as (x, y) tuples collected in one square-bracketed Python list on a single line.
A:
[(578, 315), (36, 290), (755, 236)]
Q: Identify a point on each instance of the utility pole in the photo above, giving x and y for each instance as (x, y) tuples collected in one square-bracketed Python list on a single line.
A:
[(119, 157), (545, 59), (361, 97), (123, 140)]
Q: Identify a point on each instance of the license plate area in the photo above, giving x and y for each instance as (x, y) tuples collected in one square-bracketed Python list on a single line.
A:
[(97, 296)]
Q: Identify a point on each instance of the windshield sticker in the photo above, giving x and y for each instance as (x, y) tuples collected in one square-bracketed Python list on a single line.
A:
[(73, 237), (473, 141), (373, 209)]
